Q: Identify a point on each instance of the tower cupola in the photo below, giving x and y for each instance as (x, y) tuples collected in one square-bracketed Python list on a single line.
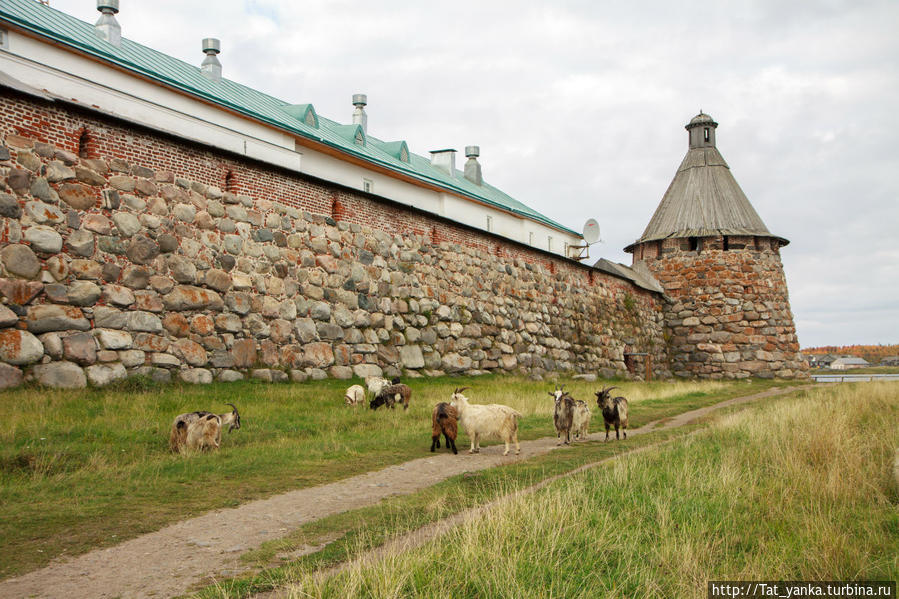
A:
[(701, 129)]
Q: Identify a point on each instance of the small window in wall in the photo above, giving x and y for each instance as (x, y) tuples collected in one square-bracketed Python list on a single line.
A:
[(565, 249), (726, 245), (549, 242), (694, 244), (706, 134), (531, 238), (490, 223), (367, 185), (4, 39)]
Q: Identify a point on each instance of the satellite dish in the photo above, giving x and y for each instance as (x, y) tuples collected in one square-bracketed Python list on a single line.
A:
[(591, 231)]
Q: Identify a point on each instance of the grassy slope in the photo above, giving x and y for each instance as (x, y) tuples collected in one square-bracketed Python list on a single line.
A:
[(799, 490), (86, 469)]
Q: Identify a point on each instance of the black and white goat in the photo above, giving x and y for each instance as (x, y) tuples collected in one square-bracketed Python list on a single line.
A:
[(614, 411), (563, 415)]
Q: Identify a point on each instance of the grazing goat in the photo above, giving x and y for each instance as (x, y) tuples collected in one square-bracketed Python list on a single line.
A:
[(493, 420), (563, 415), (391, 395), (444, 420), (203, 434), (178, 439), (581, 423), (375, 384), (614, 411), (354, 396)]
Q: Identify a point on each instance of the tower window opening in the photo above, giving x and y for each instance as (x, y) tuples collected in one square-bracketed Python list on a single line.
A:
[(694, 244), (705, 134), (490, 223)]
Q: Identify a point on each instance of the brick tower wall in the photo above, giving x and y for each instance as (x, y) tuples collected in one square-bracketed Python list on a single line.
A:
[(730, 316)]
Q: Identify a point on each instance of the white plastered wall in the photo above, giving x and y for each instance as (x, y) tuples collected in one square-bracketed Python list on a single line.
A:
[(76, 78)]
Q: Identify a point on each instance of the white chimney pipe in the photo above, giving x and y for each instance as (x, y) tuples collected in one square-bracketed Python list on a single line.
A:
[(107, 27), (445, 160), (211, 67)]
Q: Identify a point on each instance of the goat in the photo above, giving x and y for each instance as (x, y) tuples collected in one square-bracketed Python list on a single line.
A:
[(614, 411), (390, 395), (354, 396), (375, 384), (493, 420), (182, 422), (203, 434), (444, 419), (563, 415), (581, 421)]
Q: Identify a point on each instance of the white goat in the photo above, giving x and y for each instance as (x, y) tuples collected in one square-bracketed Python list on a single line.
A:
[(375, 384), (178, 439), (355, 395), (493, 420), (581, 424)]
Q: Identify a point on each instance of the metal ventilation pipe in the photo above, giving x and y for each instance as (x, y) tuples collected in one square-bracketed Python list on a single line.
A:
[(445, 160), (473, 167), (359, 116), (211, 67), (107, 27)]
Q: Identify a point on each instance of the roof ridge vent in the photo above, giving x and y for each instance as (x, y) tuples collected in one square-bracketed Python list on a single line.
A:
[(107, 27), (472, 166), (359, 116), (211, 67)]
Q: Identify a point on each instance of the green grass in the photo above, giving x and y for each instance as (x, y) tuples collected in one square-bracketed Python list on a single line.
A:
[(87, 469), (793, 489)]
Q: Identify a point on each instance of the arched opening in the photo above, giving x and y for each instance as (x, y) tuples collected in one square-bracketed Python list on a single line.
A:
[(85, 144), (230, 182)]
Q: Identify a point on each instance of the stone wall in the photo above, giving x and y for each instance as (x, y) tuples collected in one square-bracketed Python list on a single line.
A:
[(128, 251), (730, 316)]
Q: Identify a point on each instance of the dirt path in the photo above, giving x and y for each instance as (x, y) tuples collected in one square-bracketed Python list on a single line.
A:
[(168, 562)]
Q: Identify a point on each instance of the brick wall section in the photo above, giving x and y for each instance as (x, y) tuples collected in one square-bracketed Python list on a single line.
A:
[(730, 316), (126, 251)]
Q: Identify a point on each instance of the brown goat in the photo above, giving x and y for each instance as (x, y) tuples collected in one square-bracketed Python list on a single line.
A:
[(181, 425), (204, 434), (444, 420)]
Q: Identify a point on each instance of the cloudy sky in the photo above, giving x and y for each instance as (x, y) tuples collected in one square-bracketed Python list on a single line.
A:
[(579, 109)]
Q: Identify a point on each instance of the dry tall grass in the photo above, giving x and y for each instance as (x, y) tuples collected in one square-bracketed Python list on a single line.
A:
[(799, 490)]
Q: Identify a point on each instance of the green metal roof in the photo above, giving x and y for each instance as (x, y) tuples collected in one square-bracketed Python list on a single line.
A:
[(72, 32)]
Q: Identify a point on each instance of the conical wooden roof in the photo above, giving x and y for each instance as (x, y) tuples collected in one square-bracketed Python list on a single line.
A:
[(704, 199)]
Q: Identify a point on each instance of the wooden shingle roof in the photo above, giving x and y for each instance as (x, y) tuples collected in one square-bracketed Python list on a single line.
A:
[(703, 199)]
